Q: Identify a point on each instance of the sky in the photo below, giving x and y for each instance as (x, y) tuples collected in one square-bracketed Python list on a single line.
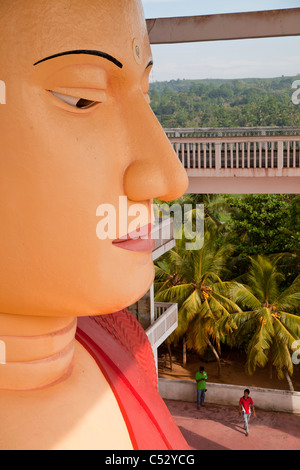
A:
[(269, 57)]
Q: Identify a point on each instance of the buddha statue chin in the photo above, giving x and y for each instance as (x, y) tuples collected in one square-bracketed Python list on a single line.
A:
[(76, 132)]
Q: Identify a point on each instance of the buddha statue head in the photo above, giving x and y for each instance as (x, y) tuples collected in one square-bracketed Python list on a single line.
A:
[(77, 131)]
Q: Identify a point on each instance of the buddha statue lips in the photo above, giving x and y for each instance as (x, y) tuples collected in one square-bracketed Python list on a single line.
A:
[(77, 131), (139, 240)]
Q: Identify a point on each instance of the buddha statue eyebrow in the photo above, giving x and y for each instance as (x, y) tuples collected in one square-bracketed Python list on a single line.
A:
[(84, 51)]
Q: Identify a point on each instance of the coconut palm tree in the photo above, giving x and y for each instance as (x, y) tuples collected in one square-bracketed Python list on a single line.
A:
[(270, 317), (193, 280)]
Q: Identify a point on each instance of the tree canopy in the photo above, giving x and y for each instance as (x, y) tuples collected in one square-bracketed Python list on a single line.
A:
[(225, 103)]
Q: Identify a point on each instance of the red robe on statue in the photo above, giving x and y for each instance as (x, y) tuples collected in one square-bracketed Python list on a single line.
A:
[(120, 347)]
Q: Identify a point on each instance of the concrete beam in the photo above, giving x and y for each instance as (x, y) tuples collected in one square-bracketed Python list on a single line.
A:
[(228, 26), (243, 185)]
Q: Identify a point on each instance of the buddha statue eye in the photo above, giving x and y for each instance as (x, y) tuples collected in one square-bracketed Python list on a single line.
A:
[(80, 103)]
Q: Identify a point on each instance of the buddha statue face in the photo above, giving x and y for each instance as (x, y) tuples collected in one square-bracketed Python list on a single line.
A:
[(77, 131)]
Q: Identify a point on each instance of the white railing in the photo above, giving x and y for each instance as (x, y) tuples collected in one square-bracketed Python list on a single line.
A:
[(260, 152), (165, 322), (232, 131), (162, 231), (163, 234)]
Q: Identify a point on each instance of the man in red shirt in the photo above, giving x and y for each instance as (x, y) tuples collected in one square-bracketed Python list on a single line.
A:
[(246, 406)]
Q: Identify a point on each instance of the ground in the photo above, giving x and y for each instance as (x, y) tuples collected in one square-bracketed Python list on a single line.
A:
[(216, 427), (232, 371)]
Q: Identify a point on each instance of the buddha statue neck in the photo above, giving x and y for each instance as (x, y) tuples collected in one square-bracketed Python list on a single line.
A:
[(36, 351)]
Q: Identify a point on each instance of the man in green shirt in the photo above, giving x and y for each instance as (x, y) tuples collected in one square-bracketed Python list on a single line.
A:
[(201, 378)]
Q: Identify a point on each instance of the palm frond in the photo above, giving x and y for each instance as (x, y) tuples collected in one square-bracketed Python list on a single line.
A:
[(242, 295), (197, 335), (176, 294), (283, 333), (291, 322), (264, 279), (290, 298), (192, 305), (281, 357), (259, 347)]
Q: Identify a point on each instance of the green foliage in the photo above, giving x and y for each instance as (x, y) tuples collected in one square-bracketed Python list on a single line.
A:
[(225, 103), (193, 280), (239, 289), (265, 224)]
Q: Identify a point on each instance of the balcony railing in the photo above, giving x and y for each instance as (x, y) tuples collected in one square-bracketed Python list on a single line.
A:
[(239, 160), (233, 131), (275, 152), (165, 322)]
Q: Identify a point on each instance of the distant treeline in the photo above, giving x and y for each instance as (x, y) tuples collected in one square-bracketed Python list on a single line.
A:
[(225, 103)]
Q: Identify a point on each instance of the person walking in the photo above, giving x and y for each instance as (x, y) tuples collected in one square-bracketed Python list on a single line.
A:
[(246, 407), (201, 378)]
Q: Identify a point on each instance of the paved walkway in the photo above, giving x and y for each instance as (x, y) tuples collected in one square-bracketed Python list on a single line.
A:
[(216, 427)]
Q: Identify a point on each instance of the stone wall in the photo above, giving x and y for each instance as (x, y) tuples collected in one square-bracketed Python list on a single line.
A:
[(222, 394)]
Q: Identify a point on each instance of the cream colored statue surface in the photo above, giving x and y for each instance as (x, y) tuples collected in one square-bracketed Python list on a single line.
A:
[(76, 131)]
